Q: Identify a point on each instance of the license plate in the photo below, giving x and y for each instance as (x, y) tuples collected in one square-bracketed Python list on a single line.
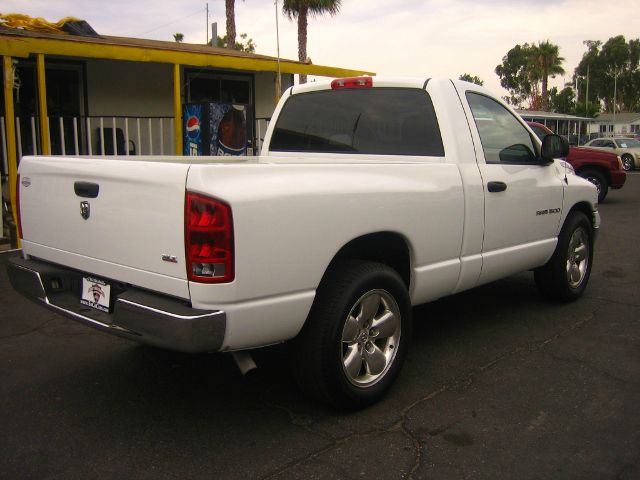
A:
[(96, 294)]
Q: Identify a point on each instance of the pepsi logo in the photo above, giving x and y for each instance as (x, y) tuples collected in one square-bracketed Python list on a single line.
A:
[(193, 124)]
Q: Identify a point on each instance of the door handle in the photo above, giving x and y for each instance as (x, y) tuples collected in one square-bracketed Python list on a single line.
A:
[(496, 186), (86, 189)]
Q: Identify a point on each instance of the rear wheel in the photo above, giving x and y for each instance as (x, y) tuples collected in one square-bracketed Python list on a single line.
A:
[(599, 181), (627, 162), (354, 342), (566, 274)]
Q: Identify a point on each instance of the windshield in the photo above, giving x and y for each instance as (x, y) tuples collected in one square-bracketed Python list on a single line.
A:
[(628, 143)]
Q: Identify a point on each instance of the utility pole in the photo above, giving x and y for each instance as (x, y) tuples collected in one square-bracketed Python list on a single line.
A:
[(207, 29), (586, 98), (279, 78), (615, 91)]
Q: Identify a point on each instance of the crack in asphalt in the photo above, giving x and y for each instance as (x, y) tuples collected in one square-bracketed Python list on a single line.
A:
[(334, 442), (463, 381), (27, 332), (599, 371), (616, 302)]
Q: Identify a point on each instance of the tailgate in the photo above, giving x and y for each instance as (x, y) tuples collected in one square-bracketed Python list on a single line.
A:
[(133, 230)]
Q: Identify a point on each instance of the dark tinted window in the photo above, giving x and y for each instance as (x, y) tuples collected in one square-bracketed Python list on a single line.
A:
[(377, 121)]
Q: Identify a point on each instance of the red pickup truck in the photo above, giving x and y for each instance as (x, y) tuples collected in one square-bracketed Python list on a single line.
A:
[(603, 169)]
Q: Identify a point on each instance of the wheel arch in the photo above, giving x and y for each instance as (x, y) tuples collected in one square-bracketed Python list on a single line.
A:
[(584, 207), (606, 173), (389, 248)]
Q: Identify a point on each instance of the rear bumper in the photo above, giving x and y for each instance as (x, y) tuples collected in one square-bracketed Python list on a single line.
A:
[(138, 315), (618, 177)]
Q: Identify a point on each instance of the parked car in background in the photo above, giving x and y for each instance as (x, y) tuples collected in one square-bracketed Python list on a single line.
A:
[(603, 169), (627, 148)]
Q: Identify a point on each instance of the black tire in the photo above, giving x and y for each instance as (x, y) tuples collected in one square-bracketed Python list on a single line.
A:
[(627, 162), (599, 180), (565, 276), (332, 355)]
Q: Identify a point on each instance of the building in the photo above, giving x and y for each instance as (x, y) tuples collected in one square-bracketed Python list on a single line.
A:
[(575, 128), (79, 95), (608, 124)]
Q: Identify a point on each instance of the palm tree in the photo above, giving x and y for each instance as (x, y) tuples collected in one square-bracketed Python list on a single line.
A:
[(301, 9), (230, 11), (548, 62)]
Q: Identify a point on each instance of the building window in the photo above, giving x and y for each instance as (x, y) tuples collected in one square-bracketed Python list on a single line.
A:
[(214, 87)]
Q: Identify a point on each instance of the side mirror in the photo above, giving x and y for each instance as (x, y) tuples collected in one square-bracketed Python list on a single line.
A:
[(554, 146)]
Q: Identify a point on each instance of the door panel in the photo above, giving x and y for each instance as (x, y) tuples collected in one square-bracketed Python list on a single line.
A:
[(523, 199)]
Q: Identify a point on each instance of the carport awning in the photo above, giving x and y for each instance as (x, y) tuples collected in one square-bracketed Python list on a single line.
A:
[(19, 43)]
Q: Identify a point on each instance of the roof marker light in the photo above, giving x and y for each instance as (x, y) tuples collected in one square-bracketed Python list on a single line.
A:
[(352, 82)]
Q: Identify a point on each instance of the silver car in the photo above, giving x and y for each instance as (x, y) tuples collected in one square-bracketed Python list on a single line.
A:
[(627, 149)]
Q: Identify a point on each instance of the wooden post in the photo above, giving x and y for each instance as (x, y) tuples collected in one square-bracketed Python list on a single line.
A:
[(42, 106), (177, 110), (10, 125)]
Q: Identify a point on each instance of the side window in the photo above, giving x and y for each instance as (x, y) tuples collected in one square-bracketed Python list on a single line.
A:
[(597, 143), (609, 144), (504, 139)]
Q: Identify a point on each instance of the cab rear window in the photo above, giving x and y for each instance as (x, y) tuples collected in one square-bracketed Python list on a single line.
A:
[(376, 121)]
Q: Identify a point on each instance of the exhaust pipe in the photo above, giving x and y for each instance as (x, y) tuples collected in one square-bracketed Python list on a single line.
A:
[(244, 361)]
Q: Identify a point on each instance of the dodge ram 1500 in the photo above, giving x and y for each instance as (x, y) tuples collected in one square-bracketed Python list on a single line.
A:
[(370, 195)]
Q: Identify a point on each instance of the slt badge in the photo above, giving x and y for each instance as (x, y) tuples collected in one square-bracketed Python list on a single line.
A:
[(85, 210)]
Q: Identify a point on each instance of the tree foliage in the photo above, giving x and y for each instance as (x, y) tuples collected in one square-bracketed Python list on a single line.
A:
[(525, 71), (178, 37), (562, 101), (467, 77), (300, 10), (244, 45), (515, 74), (614, 65)]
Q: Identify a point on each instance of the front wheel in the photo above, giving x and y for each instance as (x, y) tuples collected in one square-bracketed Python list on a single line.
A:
[(599, 181), (354, 342), (627, 162), (566, 274)]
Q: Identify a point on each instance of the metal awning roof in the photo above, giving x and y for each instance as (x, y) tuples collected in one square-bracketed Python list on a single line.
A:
[(23, 43), (538, 114)]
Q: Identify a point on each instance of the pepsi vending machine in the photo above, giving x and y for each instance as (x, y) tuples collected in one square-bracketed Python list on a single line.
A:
[(215, 128)]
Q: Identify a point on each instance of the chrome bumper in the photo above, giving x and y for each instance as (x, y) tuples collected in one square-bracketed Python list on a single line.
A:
[(139, 315)]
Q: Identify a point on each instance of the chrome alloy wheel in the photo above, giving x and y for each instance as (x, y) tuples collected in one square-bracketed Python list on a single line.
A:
[(370, 338), (596, 181), (578, 257)]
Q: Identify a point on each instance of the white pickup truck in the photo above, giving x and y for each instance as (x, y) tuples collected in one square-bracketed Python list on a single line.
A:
[(370, 195)]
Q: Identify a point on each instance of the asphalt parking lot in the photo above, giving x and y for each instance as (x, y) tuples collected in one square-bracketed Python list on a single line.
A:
[(499, 383)]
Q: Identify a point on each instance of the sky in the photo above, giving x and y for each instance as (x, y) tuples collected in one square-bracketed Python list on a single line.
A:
[(428, 38)]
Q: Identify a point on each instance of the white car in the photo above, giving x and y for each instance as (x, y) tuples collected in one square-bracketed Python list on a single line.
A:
[(628, 149)]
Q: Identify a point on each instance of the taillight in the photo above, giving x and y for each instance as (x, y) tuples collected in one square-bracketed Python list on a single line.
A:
[(18, 219), (208, 239), (352, 82)]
